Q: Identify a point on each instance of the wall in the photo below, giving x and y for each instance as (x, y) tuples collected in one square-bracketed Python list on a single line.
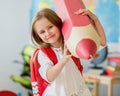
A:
[(14, 35)]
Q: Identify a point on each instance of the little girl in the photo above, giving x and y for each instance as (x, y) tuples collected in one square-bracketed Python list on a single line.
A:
[(64, 77)]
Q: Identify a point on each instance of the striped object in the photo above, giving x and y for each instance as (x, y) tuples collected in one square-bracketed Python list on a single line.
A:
[(113, 66), (35, 88)]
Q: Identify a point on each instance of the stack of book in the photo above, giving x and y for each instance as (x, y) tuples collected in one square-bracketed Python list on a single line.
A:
[(113, 66)]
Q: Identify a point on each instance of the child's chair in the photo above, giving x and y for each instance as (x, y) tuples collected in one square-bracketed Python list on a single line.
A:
[(7, 93)]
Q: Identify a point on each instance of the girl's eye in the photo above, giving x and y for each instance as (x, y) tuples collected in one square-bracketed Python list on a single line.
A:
[(50, 27), (42, 32)]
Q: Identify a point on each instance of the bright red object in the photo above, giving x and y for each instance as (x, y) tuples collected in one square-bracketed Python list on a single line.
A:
[(80, 36), (7, 93)]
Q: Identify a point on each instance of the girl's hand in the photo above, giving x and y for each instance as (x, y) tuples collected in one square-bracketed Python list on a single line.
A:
[(92, 16), (54, 71), (66, 54), (96, 23), (94, 56)]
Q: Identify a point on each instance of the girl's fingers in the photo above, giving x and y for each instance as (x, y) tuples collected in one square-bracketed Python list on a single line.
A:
[(86, 12), (81, 11), (94, 56), (66, 51)]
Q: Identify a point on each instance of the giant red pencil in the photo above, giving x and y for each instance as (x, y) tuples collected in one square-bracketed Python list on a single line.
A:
[(80, 36)]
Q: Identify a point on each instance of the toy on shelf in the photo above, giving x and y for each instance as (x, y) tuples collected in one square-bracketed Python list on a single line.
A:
[(102, 56)]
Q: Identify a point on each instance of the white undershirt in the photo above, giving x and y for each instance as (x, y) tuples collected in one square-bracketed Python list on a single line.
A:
[(68, 83)]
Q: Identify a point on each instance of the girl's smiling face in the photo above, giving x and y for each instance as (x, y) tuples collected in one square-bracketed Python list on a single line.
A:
[(48, 32)]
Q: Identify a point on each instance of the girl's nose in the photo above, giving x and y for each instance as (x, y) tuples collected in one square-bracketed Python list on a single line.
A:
[(47, 32)]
